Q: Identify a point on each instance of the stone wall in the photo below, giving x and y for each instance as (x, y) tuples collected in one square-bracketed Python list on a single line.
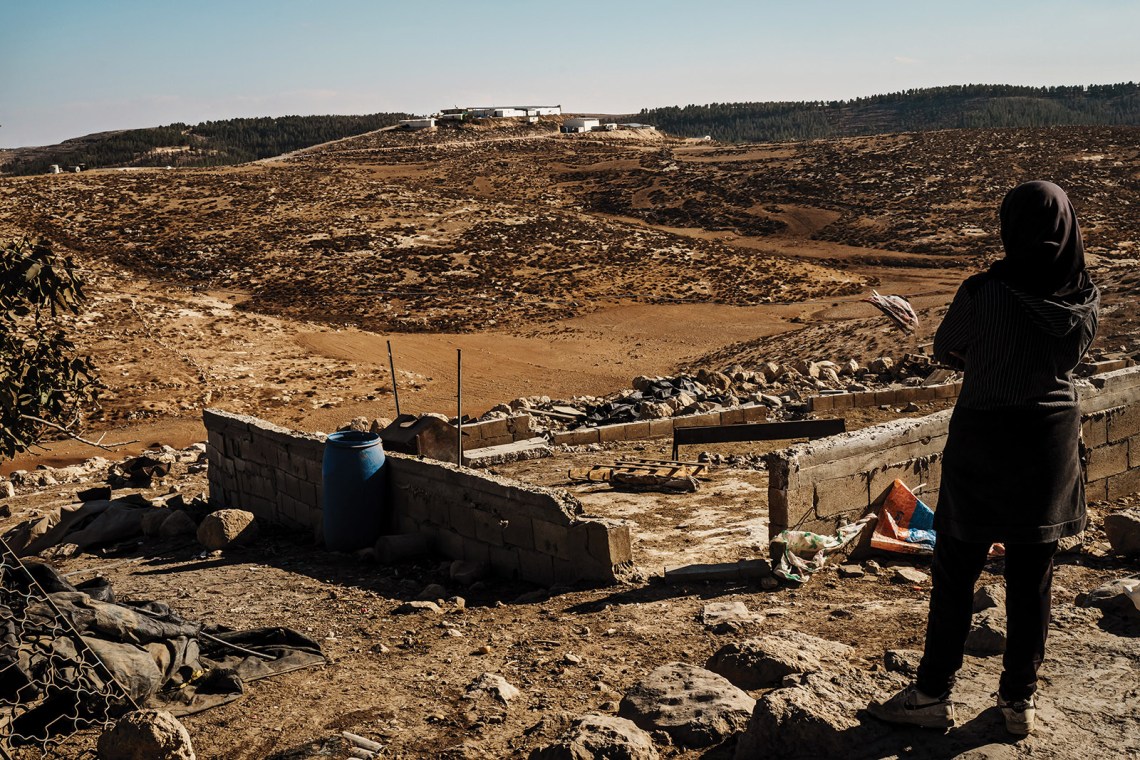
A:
[(518, 530), (818, 485)]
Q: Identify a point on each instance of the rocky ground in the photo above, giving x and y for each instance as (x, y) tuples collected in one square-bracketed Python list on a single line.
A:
[(563, 267), (413, 679)]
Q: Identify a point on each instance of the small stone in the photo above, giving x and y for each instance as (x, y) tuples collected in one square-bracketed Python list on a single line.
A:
[(903, 661), (466, 572), (882, 365), (416, 606), (7, 490), (146, 735), (850, 571), (911, 407), (909, 575), (726, 617), (571, 659), (872, 567), (227, 528), (431, 593), (769, 583), (492, 685), (485, 649)]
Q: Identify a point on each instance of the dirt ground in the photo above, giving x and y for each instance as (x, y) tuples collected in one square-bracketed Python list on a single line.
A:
[(401, 679), (561, 266)]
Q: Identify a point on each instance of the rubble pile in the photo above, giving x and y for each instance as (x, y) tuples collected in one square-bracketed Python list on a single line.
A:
[(782, 387)]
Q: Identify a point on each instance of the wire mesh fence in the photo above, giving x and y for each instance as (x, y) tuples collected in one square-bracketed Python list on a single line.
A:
[(52, 685)]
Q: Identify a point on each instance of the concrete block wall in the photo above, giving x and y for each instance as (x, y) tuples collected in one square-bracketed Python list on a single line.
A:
[(817, 485), (904, 395), (480, 435), (663, 428), (536, 534)]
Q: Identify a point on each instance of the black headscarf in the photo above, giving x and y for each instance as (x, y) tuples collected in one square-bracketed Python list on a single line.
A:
[(1044, 251)]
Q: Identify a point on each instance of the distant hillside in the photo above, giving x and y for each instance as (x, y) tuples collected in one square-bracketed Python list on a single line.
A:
[(211, 143), (965, 106)]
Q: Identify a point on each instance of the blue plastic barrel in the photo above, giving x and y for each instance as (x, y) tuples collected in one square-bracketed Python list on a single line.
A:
[(353, 488)]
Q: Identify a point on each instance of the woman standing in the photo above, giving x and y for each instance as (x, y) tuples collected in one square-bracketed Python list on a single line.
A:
[(1011, 470)]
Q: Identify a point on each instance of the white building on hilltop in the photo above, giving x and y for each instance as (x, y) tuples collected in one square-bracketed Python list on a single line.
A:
[(580, 124)]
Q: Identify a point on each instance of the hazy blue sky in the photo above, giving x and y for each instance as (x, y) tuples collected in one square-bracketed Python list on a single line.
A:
[(71, 67)]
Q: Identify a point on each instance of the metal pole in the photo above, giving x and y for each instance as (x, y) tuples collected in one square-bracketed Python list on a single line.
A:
[(392, 369), (459, 405)]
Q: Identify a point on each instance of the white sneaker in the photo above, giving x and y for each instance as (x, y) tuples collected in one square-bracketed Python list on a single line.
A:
[(911, 707), (1020, 715)]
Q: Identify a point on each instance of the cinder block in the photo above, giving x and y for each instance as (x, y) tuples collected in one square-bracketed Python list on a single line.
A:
[(536, 567), (449, 543), (580, 437), (692, 420), (732, 417), (661, 428), (945, 390), (822, 403), (864, 399), (490, 429), (489, 527), (842, 495), (608, 542), (637, 431), (558, 540), (407, 524), (503, 561), (1124, 423), (842, 401), (461, 519), (518, 533), (1097, 490), (476, 551), (886, 397), (608, 433), (1094, 430), (756, 413), (912, 472), (1124, 484), (1105, 461), (925, 393)]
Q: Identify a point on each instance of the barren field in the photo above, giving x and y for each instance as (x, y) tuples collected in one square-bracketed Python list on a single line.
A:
[(562, 265)]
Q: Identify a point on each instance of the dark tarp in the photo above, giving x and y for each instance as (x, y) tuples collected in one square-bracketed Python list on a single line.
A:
[(162, 660)]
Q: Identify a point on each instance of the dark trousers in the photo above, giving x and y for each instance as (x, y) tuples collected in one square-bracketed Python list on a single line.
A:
[(1028, 583)]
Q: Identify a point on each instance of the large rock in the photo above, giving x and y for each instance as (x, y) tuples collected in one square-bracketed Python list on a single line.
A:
[(177, 525), (1123, 531), (593, 736), (987, 632), (146, 735), (1120, 597), (695, 707), (765, 661), (815, 719), (989, 597), (226, 528)]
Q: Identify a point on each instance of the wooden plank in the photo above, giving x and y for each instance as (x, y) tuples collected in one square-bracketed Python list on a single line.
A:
[(757, 431)]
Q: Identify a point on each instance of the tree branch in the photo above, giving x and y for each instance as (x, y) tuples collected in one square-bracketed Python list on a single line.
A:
[(75, 436)]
